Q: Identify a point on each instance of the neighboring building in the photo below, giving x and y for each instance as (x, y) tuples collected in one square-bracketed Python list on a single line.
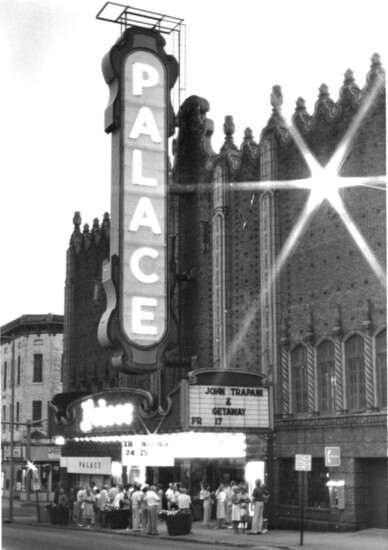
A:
[(316, 332), (32, 345)]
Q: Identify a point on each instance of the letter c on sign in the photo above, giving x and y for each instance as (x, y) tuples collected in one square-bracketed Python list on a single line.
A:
[(135, 259)]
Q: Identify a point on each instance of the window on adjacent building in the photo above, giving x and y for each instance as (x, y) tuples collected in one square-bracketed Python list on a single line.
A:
[(355, 373), (18, 372), (38, 368), (381, 368), (326, 377), (299, 379), (318, 492), (17, 417), (5, 368), (4, 418), (36, 411)]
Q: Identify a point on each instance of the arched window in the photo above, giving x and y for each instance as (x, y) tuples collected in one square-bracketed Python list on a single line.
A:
[(299, 379), (355, 373), (381, 368), (326, 376)]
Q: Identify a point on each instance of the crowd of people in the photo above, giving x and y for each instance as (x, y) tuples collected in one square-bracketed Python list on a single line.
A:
[(89, 506), (233, 506)]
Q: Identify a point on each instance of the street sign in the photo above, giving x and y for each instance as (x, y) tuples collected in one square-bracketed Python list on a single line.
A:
[(303, 463), (332, 456), (36, 485)]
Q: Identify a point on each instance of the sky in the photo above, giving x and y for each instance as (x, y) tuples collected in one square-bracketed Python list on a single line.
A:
[(55, 154)]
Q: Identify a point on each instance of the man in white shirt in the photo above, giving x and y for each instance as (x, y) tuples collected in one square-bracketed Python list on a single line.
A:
[(117, 501), (184, 500), (135, 501), (103, 502), (152, 500), (174, 498), (80, 497), (112, 493), (168, 494)]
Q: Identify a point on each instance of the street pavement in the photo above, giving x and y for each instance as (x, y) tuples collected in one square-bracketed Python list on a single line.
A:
[(369, 539)]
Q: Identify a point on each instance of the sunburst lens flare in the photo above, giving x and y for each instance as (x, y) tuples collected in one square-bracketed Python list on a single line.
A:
[(31, 466)]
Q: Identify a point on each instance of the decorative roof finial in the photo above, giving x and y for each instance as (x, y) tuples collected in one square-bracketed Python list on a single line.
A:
[(323, 91), (375, 61), (376, 72), (248, 134), (96, 231), (75, 238), (300, 104), (77, 221), (229, 129), (105, 226), (276, 98), (349, 76)]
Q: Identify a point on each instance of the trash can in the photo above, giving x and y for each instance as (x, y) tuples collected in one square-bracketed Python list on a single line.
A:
[(179, 524), (118, 519)]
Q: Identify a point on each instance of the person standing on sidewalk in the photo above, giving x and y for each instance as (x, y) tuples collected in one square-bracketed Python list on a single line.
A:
[(152, 501), (135, 502), (236, 509), (259, 496), (72, 499), (88, 510), (103, 503), (143, 509), (229, 492), (221, 506), (80, 498), (207, 505), (174, 498)]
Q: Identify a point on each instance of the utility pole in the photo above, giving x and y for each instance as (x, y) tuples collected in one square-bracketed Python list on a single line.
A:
[(28, 457), (12, 418)]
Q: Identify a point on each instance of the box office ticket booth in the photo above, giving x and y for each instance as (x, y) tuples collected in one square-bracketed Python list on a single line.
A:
[(216, 428)]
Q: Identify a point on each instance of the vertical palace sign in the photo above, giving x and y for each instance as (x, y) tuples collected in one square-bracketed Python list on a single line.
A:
[(137, 324)]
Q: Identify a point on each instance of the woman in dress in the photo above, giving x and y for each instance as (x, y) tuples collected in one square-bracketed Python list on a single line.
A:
[(236, 510), (205, 496), (88, 508), (244, 506), (221, 506)]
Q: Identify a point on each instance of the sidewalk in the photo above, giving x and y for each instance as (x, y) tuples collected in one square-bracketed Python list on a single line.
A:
[(371, 539)]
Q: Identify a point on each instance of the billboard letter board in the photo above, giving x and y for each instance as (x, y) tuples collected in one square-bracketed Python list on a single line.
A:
[(303, 463), (332, 456)]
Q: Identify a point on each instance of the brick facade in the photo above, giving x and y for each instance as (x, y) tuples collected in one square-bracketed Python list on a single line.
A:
[(225, 210)]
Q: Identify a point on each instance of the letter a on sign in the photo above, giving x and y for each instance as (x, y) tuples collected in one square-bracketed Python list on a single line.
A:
[(145, 124)]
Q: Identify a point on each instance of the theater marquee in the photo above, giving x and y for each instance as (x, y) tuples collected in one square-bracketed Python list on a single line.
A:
[(228, 407), (226, 400)]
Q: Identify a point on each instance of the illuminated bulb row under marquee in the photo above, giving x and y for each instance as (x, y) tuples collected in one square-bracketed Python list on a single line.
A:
[(143, 300)]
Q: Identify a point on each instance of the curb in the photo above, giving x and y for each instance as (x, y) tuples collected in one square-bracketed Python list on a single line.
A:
[(161, 536)]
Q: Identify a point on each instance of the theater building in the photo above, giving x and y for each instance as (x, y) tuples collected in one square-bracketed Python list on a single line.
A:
[(277, 304)]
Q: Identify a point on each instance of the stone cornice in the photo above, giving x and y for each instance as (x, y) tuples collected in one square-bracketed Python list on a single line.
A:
[(330, 421)]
